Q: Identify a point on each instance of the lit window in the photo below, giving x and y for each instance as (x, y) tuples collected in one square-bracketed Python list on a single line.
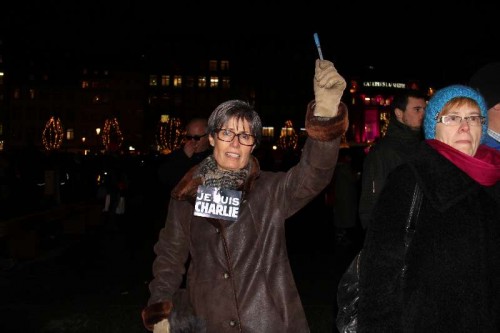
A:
[(153, 80), (212, 65), (85, 84), (17, 93), (202, 82), (214, 82), (226, 82), (32, 93), (224, 65), (177, 81), (268, 131), (165, 80), (70, 134)]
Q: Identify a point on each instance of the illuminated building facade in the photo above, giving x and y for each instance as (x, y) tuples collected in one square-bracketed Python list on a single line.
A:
[(85, 89), (370, 107)]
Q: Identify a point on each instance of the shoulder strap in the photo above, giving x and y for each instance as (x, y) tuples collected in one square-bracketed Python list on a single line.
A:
[(411, 222)]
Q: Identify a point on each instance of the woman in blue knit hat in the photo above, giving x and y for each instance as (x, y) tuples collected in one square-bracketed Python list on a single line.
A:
[(444, 276)]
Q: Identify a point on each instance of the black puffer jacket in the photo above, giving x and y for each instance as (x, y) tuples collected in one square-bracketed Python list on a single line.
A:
[(453, 276)]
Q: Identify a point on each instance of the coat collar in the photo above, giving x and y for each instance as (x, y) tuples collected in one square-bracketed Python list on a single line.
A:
[(400, 132), (441, 181)]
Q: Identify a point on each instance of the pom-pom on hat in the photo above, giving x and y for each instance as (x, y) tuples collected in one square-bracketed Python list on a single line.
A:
[(443, 96), (487, 81)]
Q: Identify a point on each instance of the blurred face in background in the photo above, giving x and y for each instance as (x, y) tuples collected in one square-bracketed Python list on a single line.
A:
[(464, 136), (196, 135), (232, 155), (413, 116)]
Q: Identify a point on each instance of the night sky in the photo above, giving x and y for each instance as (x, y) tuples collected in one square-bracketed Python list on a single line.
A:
[(412, 40)]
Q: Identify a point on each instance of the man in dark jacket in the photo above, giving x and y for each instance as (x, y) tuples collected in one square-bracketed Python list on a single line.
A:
[(194, 149), (403, 134)]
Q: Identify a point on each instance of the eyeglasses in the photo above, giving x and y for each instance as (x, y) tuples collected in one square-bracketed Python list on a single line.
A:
[(454, 120), (227, 135), (195, 137)]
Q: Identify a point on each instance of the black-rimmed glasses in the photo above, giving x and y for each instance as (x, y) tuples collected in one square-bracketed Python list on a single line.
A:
[(454, 120), (195, 137), (227, 135)]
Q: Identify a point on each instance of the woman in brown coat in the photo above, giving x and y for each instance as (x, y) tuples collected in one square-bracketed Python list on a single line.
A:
[(229, 216)]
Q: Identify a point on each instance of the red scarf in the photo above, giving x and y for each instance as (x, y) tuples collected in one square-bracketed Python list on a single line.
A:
[(484, 167)]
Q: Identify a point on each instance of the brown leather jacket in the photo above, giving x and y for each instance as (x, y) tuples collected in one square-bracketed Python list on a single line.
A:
[(240, 279)]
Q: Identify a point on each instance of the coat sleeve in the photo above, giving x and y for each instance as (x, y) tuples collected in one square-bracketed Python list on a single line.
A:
[(380, 302), (172, 251), (317, 162)]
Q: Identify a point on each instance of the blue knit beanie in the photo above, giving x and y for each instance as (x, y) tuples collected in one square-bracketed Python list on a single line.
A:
[(443, 96)]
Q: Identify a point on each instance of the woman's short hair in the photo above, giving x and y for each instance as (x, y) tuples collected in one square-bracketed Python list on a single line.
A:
[(235, 109)]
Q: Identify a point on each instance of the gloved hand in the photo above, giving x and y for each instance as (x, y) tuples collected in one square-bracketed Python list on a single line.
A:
[(329, 86), (162, 327), (154, 314)]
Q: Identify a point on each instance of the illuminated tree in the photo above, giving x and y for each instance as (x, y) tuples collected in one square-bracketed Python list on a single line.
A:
[(384, 117), (112, 137), (288, 138), (169, 134), (53, 134)]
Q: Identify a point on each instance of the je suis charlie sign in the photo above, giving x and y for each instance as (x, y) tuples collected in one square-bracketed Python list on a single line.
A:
[(217, 203)]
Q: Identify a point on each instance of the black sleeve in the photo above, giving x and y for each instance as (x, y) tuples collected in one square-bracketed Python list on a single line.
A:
[(380, 302)]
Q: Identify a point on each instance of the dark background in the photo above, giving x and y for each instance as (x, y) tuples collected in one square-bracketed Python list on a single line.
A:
[(415, 40)]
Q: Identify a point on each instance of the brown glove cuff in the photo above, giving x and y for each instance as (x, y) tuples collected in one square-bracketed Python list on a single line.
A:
[(155, 313), (326, 129)]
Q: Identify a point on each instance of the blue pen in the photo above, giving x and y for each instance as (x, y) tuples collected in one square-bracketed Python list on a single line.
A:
[(318, 46)]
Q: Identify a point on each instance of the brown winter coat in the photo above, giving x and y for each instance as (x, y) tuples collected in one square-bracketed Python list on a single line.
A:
[(240, 279)]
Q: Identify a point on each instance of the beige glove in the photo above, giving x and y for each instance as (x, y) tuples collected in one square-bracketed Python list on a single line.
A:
[(329, 86), (162, 327)]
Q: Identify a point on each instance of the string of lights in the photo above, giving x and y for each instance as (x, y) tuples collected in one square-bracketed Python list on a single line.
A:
[(52, 135), (169, 134), (112, 137), (288, 139)]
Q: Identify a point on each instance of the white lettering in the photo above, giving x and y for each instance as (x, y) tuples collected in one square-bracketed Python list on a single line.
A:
[(235, 212), (384, 84)]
